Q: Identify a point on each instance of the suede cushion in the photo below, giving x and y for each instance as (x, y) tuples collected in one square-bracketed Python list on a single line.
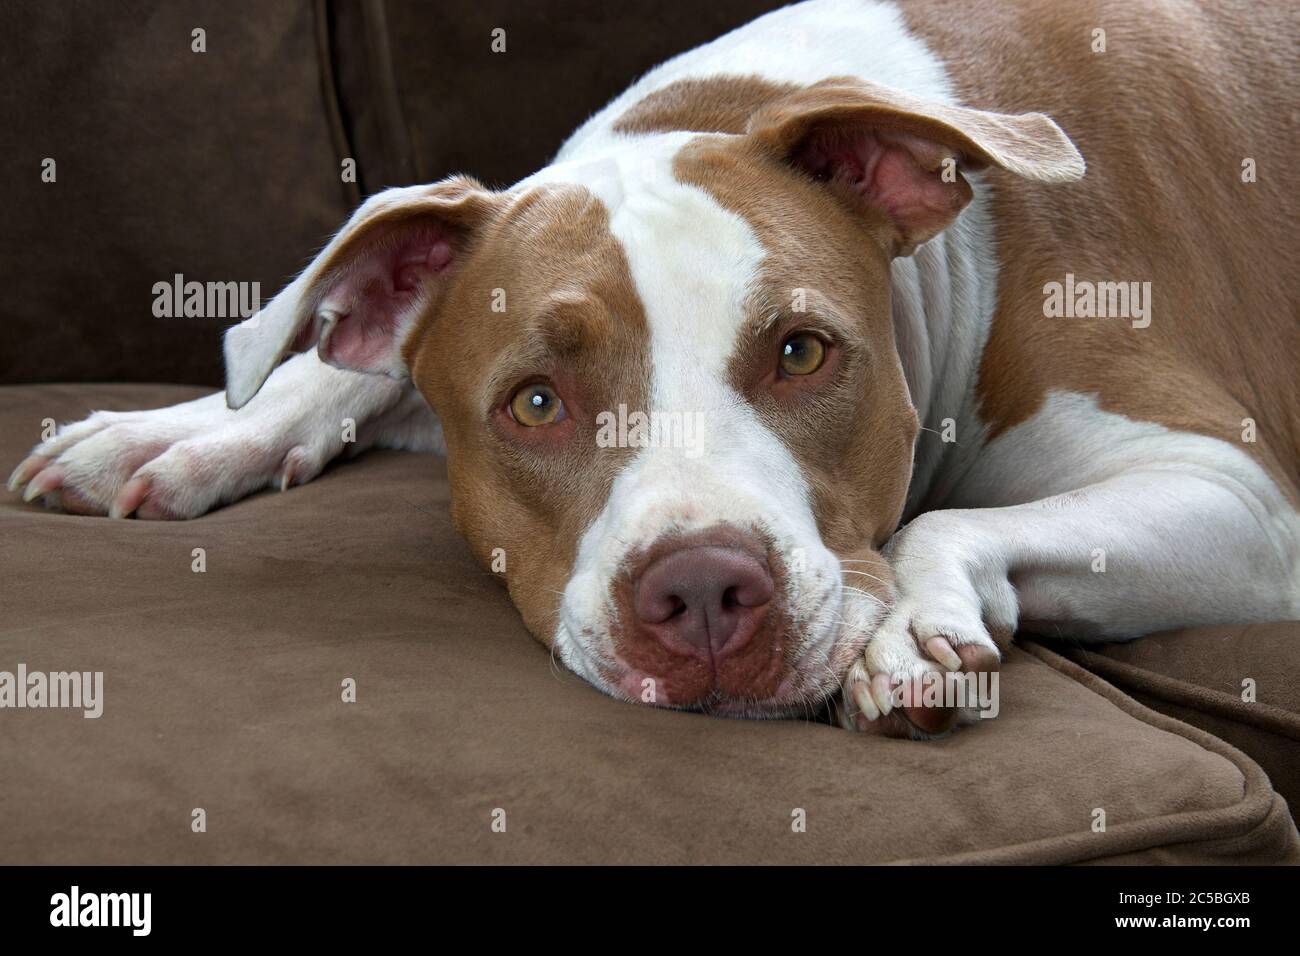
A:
[(1199, 677), (425, 94), (222, 166), (222, 691)]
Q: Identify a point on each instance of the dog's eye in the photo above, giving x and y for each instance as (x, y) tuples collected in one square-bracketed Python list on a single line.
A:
[(802, 354), (535, 404)]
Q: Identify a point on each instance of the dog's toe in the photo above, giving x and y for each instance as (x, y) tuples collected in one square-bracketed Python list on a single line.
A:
[(129, 498), (27, 469), (978, 659), (44, 482)]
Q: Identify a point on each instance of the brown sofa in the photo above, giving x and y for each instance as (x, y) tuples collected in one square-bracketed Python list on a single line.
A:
[(223, 688)]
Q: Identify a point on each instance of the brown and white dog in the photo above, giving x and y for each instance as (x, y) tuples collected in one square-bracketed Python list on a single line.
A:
[(831, 274)]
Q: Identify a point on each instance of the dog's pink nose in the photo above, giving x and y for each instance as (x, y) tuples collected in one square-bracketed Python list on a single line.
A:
[(707, 597)]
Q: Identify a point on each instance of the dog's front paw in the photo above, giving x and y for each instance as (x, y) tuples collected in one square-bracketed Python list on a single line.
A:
[(931, 664), (171, 463)]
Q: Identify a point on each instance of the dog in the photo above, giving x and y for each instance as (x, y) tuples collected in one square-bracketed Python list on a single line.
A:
[(818, 362)]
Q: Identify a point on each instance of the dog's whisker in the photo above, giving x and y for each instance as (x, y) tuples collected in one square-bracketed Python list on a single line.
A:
[(865, 575), (866, 594)]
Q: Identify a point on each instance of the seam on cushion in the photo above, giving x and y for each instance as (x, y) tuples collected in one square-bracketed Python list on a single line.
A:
[(330, 96), (1277, 822), (1211, 826), (1264, 716), (1157, 703), (392, 118)]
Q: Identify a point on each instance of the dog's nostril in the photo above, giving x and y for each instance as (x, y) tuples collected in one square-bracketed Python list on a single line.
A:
[(704, 595)]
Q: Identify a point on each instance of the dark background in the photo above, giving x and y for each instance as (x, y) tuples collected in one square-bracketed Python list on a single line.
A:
[(225, 165)]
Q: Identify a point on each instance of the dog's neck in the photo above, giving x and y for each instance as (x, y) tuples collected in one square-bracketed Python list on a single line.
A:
[(943, 299)]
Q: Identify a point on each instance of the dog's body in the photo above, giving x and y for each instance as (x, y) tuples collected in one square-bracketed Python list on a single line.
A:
[(779, 195)]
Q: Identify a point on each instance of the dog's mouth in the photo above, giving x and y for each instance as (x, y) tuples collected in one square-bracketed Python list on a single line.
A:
[(770, 683), (724, 622)]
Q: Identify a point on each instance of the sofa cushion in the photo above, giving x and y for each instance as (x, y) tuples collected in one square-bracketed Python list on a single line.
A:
[(222, 691), (428, 93), (222, 166), (1240, 683)]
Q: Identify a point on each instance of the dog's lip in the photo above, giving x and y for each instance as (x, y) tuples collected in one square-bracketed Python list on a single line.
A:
[(720, 705), (800, 689), (802, 686), (802, 701)]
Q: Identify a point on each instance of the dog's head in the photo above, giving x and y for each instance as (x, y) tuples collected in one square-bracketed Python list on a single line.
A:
[(674, 410)]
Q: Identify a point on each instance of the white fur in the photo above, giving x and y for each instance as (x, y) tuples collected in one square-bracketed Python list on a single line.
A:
[(1195, 531), (253, 347), (202, 454), (1088, 525)]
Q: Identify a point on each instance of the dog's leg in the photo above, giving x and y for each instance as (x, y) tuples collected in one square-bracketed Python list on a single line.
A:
[(279, 424), (1146, 550), (183, 461)]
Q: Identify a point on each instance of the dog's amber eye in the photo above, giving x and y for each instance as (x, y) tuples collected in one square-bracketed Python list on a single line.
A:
[(535, 404), (802, 354)]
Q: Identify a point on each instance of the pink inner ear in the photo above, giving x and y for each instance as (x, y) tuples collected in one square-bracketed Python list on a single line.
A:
[(418, 260), (374, 295), (897, 173)]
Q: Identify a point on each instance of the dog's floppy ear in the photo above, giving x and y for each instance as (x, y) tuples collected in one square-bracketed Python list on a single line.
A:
[(360, 296), (903, 155)]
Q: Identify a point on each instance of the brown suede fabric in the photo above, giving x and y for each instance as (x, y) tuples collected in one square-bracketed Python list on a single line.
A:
[(427, 96), (224, 166), (221, 166), (222, 690), (1199, 676)]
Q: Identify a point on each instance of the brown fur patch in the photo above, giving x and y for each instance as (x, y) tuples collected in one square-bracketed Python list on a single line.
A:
[(1028, 144), (573, 317), (853, 432), (713, 104), (1165, 117)]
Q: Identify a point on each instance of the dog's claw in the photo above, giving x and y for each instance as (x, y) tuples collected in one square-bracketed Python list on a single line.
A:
[(943, 653), (883, 692), (129, 498), (46, 480), (28, 467), (867, 708)]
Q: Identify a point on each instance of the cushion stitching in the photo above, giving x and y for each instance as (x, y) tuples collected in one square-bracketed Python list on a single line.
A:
[(1279, 721), (1254, 806)]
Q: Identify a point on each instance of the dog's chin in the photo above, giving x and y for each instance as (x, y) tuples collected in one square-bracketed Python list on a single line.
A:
[(840, 633), (814, 683), (815, 706), (813, 680), (816, 679), (810, 701)]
